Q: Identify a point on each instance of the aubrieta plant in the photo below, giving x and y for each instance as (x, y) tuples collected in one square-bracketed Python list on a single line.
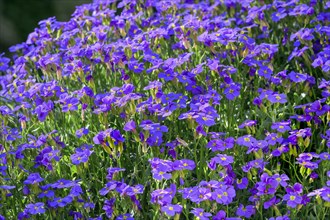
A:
[(169, 109)]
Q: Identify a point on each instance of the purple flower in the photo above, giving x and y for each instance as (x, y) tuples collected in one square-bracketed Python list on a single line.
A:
[(80, 157), (130, 126), (6, 187), (242, 183), (215, 145), (43, 110), (4, 61), (297, 77), (280, 14), (33, 178), (267, 185), (46, 193), (201, 214), (161, 173), (325, 194), (81, 132), (61, 202), (71, 104), (246, 140), (232, 91), (135, 66), (248, 123), (222, 159), (273, 138), (63, 183), (277, 98), (293, 199), (37, 208), (163, 197), (168, 75), (221, 215), (265, 72), (184, 164), (171, 210), (204, 119), (224, 195), (246, 212), (112, 171), (108, 207), (282, 126), (153, 85), (258, 163), (271, 202), (200, 194), (281, 179), (126, 216)]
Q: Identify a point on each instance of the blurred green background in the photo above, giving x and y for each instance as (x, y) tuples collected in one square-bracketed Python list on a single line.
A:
[(18, 18)]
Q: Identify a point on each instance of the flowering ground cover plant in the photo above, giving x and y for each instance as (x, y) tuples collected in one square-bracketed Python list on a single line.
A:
[(169, 110)]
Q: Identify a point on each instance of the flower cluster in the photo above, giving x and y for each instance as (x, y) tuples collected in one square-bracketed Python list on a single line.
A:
[(165, 109)]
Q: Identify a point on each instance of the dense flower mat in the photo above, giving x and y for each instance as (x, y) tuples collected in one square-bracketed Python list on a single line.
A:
[(169, 109)]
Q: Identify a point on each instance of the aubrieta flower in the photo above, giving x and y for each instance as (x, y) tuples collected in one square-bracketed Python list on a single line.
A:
[(102, 136), (37, 208), (224, 195), (258, 163), (277, 98), (267, 186), (246, 140), (281, 126), (4, 61), (81, 132), (108, 207), (33, 178), (184, 164), (248, 123), (7, 187), (292, 199), (305, 160), (71, 104), (297, 77), (161, 172), (265, 72), (80, 157), (163, 196), (46, 192), (246, 211), (242, 183), (126, 216), (221, 145), (281, 179), (200, 194), (279, 14), (201, 214), (222, 159), (204, 119), (273, 138), (271, 202), (135, 66), (171, 209), (232, 91), (110, 186), (43, 110), (130, 126), (63, 183), (46, 156), (180, 57), (112, 171), (325, 194)]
